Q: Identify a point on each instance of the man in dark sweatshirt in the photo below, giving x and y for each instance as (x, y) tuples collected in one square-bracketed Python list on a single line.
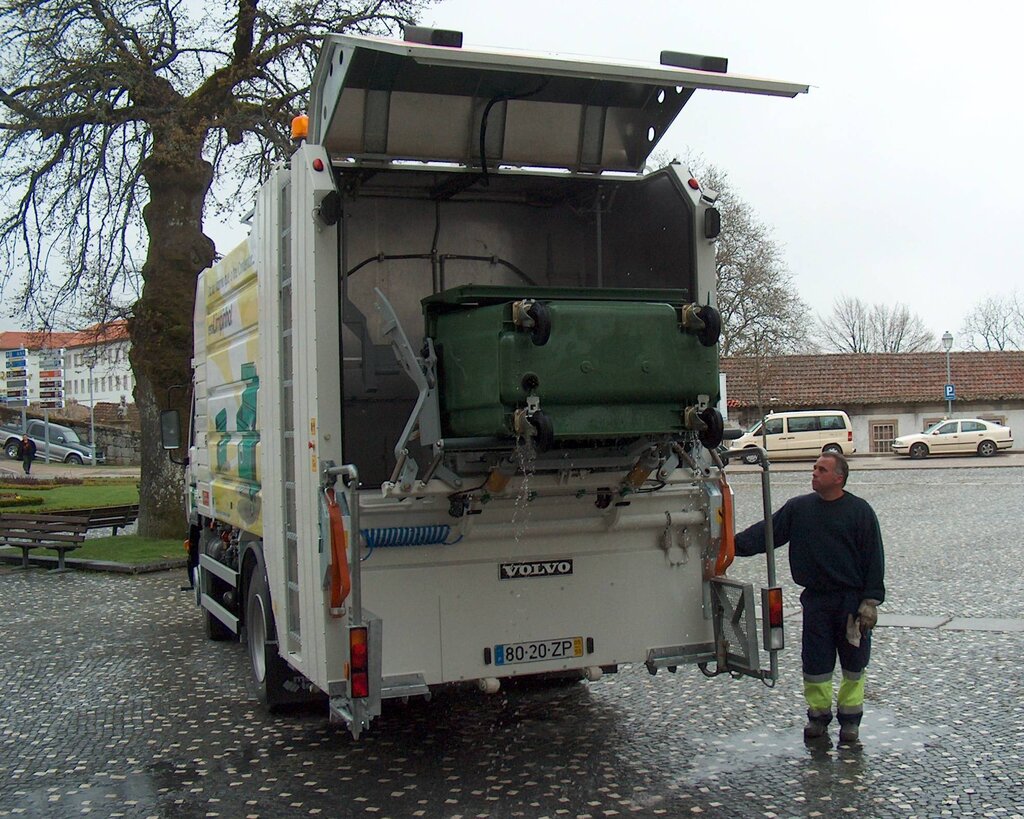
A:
[(835, 553)]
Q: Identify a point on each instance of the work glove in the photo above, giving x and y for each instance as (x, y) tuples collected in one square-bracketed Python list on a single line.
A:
[(867, 615)]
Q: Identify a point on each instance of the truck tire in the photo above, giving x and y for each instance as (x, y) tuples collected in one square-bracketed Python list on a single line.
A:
[(74, 458), (13, 449), (269, 671)]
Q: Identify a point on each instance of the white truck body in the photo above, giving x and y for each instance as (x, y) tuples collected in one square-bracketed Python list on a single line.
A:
[(313, 370)]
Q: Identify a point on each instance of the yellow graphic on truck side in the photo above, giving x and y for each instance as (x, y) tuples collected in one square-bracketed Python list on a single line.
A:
[(232, 350)]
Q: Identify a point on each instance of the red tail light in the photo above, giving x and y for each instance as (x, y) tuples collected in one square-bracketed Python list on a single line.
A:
[(775, 607), (358, 650), (771, 619), (849, 435)]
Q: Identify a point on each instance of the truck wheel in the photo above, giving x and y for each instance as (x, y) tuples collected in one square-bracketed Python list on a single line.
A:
[(835, 449), (74, 458), (750, 459), (269, 671), (12, 449)]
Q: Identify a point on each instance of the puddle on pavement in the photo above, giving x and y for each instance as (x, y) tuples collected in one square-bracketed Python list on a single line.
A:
[(882, 735)]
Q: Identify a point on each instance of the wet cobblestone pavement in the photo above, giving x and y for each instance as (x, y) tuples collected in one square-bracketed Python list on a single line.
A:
[(115, 705)]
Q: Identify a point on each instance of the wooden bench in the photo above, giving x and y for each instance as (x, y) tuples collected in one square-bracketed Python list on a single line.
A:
[(62, 533), (115, 517)]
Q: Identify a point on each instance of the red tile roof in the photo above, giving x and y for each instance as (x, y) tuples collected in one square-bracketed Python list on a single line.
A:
[(871, 378), (35, 340)]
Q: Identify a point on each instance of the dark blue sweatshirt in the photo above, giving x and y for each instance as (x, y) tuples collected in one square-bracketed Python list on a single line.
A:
[(834, 546)]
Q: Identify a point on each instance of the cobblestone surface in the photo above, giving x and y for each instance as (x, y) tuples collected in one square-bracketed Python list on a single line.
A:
[(115, 705)]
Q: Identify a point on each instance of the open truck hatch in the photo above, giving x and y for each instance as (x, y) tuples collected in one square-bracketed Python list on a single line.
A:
[(386, 99)]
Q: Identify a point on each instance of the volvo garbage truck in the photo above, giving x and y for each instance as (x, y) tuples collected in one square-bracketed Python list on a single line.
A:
[(454, 401)]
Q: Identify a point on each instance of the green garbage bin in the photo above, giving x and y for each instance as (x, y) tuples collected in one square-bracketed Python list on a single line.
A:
[(604, 365)]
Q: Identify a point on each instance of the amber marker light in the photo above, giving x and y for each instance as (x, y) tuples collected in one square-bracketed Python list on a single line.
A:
[(300, 127)]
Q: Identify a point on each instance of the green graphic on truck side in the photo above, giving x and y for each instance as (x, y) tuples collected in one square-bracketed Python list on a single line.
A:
[(245, 420), (221, 425)]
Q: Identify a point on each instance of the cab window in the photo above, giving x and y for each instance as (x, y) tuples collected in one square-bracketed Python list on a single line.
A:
[(832, 422), (773, 426), (948, 428), (971, 426)]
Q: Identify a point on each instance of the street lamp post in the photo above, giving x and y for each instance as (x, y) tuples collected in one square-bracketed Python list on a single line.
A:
[(947, 345), (92, 419), (91, 363)]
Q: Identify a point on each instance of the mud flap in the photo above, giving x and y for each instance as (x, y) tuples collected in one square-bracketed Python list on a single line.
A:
[(736, 649)]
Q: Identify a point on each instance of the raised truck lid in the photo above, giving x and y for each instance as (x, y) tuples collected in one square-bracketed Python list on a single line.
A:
[(381, 99)]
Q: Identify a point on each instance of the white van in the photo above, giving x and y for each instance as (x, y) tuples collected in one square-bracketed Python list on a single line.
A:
[(794, 435)]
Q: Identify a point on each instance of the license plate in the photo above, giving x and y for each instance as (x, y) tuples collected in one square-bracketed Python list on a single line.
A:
[(538, 651)]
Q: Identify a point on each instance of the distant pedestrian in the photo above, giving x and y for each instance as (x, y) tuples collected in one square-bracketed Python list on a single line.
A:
[(835, 553), (28, 453)]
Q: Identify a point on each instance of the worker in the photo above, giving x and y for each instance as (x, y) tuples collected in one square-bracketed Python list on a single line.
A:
[(28, 453), (836, 554)]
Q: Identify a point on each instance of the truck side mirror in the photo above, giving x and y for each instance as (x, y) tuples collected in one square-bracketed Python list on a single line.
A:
[(170, 429)]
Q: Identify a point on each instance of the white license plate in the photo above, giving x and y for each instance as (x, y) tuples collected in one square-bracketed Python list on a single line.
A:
[(538, 651)]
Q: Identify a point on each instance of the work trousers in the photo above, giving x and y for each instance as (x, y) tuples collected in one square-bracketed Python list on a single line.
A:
[(824, 639)]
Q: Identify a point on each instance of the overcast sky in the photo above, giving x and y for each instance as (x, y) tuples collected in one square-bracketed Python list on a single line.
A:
[(897, 178)]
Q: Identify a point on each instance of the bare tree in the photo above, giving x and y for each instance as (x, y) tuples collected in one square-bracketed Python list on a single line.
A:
[(116, 115), (855, 327), (761, 312), (896, 330), (994, 323), (848, 328)]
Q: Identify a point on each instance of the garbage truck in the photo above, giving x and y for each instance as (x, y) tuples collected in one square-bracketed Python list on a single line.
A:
[(454, 403)]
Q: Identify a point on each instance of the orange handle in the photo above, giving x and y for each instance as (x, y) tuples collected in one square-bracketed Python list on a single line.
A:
[(727, 548), (341, 581)]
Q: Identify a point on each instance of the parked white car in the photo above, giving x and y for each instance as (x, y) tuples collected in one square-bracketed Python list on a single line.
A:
[(794, 435), (960, 436)]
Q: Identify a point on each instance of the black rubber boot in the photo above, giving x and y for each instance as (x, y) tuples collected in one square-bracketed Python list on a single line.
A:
[(817, 724), (849, 728)]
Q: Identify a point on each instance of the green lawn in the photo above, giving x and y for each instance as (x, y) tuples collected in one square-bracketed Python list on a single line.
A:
[(121, 549), (54, 497), (57, 496)]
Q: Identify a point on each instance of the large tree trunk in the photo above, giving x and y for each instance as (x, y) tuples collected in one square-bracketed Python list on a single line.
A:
[(161, 328)]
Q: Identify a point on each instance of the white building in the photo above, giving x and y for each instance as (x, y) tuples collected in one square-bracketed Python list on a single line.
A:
[(95, 368)]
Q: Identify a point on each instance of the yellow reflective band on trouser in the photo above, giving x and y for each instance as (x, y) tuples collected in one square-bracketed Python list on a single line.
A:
[(818, 693), (851, 693)]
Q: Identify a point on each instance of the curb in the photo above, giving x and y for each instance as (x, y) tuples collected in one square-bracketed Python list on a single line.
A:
[(96, 565)]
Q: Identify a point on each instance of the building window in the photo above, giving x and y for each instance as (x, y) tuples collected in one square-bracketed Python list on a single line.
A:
[(882, 434), (995, 419)]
